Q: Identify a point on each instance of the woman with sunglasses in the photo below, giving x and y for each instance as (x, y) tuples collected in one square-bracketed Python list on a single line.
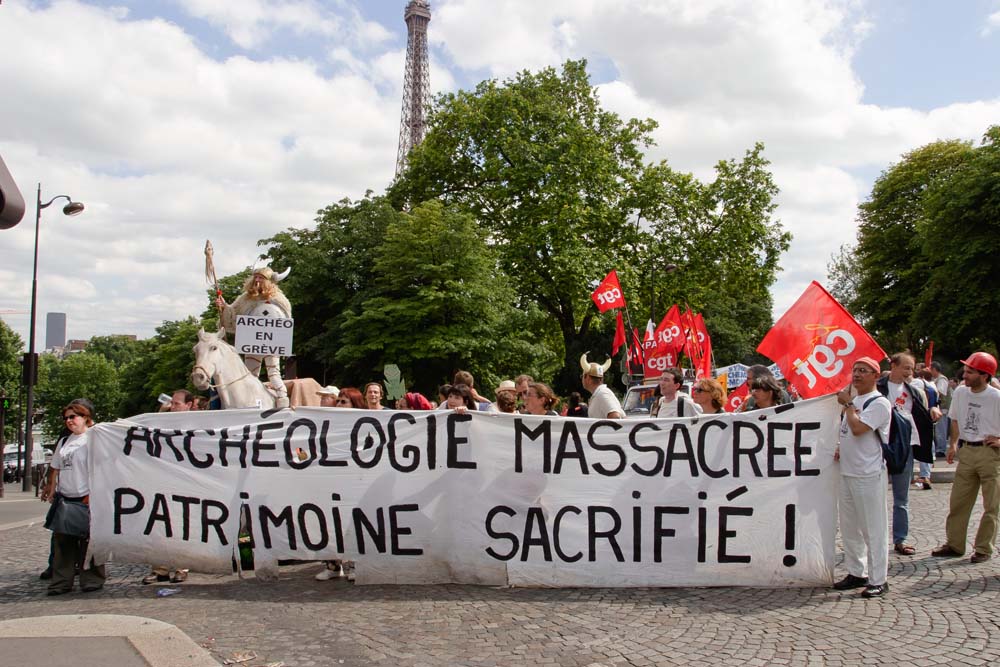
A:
[(349, 397), (709, 396), (68, 488)]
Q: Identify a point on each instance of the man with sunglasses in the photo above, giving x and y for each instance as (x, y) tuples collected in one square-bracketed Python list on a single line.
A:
[(864, 522), (975, 442)]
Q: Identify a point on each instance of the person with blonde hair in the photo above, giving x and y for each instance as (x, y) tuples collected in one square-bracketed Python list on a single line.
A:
[(709, 395), (262, 297)]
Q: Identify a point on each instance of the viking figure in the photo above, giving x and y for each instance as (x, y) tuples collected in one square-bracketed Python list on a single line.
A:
[(263, 298)]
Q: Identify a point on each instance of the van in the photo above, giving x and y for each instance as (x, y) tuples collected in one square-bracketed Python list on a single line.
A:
[(39, 454)]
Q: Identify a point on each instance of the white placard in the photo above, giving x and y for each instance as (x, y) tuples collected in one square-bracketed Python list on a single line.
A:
[(264, 336), (433, 497)]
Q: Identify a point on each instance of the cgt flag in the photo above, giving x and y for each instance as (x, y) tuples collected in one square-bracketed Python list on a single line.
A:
[(737, 397), (608, 294), (815, 343)]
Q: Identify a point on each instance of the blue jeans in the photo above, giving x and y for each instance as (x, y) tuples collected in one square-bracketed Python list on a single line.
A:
[(941, 431), (901, 501)]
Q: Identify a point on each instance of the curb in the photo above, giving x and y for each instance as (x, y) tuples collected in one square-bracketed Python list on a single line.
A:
[(159, 644)]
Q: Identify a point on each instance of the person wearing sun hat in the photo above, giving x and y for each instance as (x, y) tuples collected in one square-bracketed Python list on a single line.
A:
[(864, 521), (328, 396)]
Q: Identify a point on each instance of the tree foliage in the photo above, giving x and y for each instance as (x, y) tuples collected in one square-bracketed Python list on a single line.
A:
[(926, 257), (10, 371), (79, 375), (561, 186)]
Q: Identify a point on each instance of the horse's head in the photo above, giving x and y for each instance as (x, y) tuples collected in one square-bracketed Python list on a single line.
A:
[(207, 357)]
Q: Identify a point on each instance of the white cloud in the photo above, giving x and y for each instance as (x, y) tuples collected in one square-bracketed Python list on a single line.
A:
[(251, 23), (992, 24), (168, 146)]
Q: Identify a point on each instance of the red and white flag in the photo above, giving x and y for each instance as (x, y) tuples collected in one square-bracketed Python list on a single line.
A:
[(737, 397), (816, 342), (704, 368), (608, 294)]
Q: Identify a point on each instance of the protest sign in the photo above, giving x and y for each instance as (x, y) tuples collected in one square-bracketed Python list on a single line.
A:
[(434, 497), (264, 336)]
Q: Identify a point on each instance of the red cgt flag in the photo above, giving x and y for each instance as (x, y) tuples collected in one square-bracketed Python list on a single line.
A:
[(816, 342), (929, 355), (704, 369), (608, 294), (736, 398)]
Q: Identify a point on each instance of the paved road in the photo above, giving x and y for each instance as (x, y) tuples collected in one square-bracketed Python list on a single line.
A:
[(17, 507), (940, 612)]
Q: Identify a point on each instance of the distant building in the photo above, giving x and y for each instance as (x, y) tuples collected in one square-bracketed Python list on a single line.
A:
[(55, 330)]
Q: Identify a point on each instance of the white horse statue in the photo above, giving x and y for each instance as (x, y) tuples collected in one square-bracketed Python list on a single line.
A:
[(219, 366)]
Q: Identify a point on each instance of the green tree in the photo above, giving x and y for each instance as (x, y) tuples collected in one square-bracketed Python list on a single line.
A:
[(80, 375), (549, 174), (437, 306), (332, 271), (891, 261), (161, 364), (960, 237), (10, 373), (116, 349)]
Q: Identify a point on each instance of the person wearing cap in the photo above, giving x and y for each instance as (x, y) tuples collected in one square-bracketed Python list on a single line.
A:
[(261, 296), (603, 402), (975, 442), (864, 521), (328, 396)]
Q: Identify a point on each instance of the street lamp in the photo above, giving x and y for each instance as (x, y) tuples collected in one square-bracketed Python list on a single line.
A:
[(71, 208)]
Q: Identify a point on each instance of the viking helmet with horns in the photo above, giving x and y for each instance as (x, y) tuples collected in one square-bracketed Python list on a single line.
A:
[(270, 274), (594, 369)]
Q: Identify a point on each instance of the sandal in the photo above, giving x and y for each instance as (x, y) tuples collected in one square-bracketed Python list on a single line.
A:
[(904, 549)]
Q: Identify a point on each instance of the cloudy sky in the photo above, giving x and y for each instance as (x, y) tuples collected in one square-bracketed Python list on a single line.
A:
[(175, 121)]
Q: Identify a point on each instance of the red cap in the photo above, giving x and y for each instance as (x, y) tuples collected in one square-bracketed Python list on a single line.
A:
[(869, 362)]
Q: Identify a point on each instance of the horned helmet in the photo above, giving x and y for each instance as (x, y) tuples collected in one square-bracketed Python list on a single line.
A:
[(270, 274), (594, 369)]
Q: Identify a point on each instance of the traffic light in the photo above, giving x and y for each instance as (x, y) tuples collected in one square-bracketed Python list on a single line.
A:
[(29, 369), (11, 201)]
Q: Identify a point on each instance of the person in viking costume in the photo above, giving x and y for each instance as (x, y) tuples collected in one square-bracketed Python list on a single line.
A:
[(262, 298), (603, 403)]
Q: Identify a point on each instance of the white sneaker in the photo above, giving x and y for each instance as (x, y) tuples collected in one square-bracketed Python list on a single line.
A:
[(327, 574)]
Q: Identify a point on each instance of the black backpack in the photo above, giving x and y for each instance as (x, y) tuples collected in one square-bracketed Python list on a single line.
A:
[(897, 450)]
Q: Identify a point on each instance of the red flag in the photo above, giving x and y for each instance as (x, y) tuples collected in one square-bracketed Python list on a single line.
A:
[(816, 342), (608, 294), (668, 334), (704, 369), (929, 355), (737, 397), (619, 335), (692, 348)]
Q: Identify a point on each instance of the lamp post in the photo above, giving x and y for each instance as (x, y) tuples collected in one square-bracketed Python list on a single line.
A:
[(71, 208)]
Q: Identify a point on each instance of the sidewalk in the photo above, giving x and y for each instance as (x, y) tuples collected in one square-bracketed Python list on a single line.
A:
[(938, 612)]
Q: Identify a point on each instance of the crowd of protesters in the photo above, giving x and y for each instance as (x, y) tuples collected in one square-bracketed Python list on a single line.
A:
[(957, 419)]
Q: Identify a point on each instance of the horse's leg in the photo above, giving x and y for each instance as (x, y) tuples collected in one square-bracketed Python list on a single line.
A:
[(274, 377)]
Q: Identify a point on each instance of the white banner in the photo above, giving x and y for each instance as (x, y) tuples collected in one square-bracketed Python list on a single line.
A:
[(434, 497), (264, 336)]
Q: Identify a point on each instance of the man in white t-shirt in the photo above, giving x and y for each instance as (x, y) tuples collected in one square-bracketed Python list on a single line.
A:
[(975, 440), (911, 401), (603, 402), (673, 402), (864, 525)]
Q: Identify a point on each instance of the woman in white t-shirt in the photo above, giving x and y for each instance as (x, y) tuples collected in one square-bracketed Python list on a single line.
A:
[(68, 483)]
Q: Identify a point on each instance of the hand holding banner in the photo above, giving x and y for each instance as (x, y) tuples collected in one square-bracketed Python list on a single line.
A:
[(608, 294), (815, 343)]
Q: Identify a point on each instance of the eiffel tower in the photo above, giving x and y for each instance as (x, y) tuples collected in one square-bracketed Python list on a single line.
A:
[(416, 82)]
